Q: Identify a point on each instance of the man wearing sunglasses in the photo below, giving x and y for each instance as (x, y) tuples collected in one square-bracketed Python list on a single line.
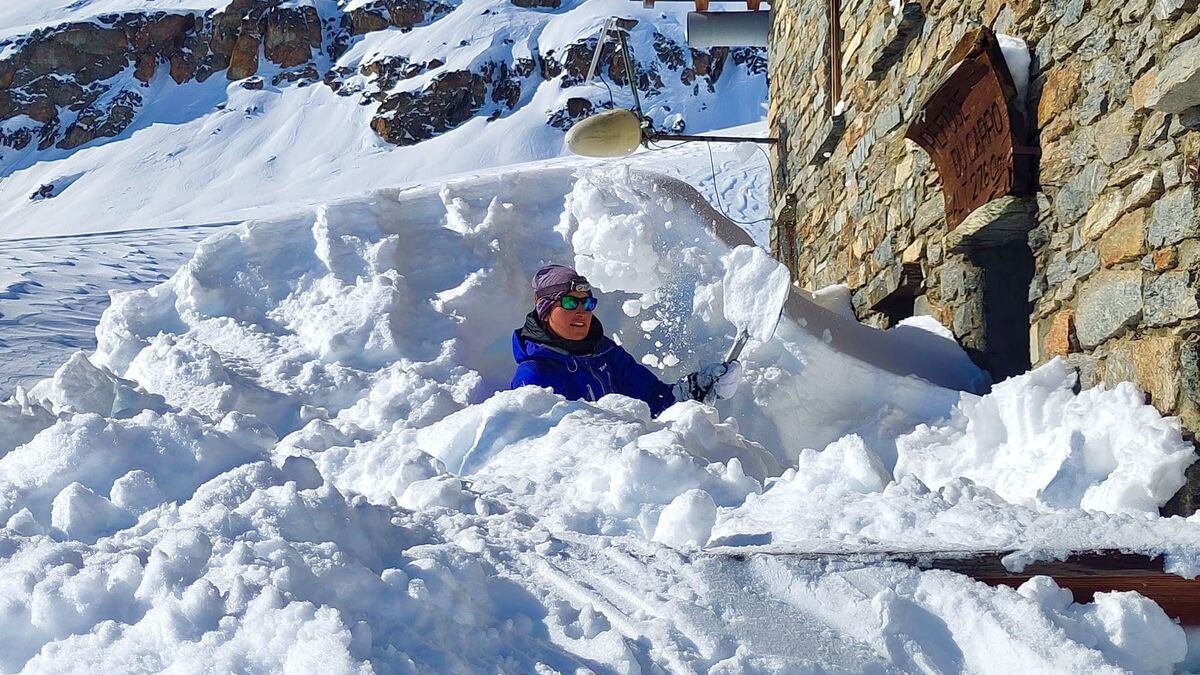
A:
[(562, 346)]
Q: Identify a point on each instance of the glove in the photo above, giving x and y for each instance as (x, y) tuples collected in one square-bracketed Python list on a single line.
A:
[(719, 379)]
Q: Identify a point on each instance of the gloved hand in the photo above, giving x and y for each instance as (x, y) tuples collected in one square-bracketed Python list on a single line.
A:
[(719, 379)]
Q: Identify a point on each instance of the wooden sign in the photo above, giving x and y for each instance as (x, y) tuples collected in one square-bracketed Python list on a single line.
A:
[(973, 130)]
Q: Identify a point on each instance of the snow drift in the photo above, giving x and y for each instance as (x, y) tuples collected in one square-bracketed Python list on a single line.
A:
[(297, 453)]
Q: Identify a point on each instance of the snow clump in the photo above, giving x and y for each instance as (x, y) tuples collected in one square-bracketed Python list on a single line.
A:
[(299, 453)]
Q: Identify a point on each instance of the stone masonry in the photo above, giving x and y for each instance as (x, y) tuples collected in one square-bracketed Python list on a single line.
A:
[(1107, 277)]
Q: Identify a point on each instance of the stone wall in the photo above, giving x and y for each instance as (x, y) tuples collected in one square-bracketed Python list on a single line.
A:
[(1107, 277)]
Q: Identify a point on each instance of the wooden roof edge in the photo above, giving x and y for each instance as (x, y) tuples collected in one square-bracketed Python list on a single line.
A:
[(990, 562)]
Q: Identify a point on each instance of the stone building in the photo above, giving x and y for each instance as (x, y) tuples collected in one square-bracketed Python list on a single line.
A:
[(1083, 239)]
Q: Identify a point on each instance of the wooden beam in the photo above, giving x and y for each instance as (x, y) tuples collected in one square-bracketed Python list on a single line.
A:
[(1084, 573), (835, 53), (701, 5), (753, 5)]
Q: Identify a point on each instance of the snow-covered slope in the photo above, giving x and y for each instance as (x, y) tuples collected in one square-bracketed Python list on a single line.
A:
[(157, 134), (291, 455), (53, 290)]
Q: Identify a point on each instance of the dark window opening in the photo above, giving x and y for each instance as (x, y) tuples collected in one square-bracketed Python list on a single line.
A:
[(897, 308), (1007, 273), (900, 304)]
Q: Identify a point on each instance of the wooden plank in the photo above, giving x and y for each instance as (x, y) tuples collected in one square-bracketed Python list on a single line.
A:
[(1084, 573), (1178, 597), (835, 54)]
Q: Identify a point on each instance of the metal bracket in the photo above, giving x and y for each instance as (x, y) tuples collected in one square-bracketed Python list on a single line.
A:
[(611, 26)]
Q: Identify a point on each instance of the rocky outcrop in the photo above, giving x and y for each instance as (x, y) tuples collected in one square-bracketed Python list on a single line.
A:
[(706, 66), (62, 86), (402, 14), (575, 110), (64, 69), (450, 99), (60, 73), (691, 66), (102, 121), (291, 37)]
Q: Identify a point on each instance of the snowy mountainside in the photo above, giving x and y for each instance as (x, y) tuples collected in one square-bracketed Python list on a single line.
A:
[(292, 454), (124, 114)]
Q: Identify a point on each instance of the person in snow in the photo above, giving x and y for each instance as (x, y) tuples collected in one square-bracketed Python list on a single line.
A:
[(562, 346)]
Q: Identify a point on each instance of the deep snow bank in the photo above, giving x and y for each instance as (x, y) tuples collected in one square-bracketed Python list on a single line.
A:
[(292, 453)]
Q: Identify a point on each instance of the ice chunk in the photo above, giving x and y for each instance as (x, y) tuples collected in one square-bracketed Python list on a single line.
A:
[(688, 520), (23, 523), (84, 515), (136, 491), (79, 386)]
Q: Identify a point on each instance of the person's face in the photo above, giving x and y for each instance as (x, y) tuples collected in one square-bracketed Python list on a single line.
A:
[(570, 324)]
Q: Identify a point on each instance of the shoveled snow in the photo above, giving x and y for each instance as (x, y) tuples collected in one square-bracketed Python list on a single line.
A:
[(756, 286), (297, 454), (835, 298), (1035, 442)]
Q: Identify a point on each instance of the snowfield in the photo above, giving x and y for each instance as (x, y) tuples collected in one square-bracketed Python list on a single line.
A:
[(298, 454), (215, 151)]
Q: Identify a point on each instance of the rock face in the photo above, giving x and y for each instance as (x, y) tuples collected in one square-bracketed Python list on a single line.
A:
[(65, 79), (451, 99), (66, 67)]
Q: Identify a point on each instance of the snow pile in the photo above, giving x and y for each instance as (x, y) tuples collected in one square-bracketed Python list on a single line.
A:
[(1018, 60), (835, 298), (257, 571), (842, 499), (668, 265), (1035, 442), (296, 453)]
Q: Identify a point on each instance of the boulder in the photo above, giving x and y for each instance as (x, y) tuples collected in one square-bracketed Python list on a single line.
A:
[(292, 35)]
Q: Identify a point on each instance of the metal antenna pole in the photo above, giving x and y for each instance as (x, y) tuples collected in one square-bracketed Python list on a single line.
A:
[(599, 48), (630, 72)]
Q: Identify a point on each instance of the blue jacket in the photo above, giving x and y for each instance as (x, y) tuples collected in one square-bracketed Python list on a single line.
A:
[(608, 369)]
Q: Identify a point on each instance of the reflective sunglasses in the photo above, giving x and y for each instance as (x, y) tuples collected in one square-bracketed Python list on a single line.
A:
[(571, 303)]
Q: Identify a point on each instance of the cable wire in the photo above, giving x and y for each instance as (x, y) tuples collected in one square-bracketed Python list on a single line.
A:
[(717, 193), (600, 76)]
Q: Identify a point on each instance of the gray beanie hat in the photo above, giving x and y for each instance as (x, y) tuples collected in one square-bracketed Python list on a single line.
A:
[(552, 282)]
